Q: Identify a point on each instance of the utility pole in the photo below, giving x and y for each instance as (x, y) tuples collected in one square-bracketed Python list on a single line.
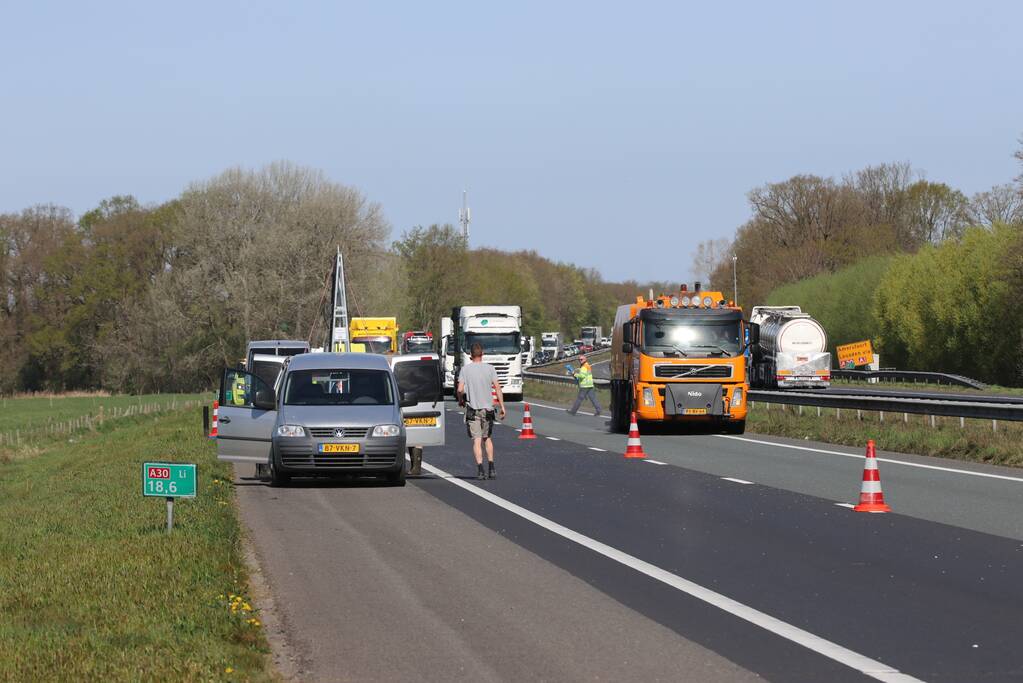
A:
[(464, 217), (339, 308), (735, 279)]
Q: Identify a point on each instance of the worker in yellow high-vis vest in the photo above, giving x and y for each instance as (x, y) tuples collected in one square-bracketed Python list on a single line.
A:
[(584, 376)]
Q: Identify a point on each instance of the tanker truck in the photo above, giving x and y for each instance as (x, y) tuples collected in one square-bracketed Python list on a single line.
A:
[(792, 352)]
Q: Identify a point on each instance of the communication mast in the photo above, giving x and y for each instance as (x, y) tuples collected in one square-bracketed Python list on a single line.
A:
[(464, 217), (339, 306)]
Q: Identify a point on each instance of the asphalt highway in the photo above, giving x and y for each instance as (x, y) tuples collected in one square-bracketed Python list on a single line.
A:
[(714, 559)]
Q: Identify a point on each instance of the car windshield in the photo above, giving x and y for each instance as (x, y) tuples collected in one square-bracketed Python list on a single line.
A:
[(419, 346), (692, 338), (338, 387), (504, 343)]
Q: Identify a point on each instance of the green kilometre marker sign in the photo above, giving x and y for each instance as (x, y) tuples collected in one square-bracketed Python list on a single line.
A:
[(168, 480)]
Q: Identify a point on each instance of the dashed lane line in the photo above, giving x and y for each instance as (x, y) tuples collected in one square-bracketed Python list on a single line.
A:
[(654, 462), (854, 660), (953, 470), (737, 481), (599, 450)]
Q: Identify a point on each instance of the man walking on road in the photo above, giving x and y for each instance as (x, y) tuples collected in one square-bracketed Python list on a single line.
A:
[(476, 381), (584, 375)]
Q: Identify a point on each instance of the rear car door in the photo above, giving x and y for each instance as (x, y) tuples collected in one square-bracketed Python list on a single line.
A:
[(244, 431), (423, 374)]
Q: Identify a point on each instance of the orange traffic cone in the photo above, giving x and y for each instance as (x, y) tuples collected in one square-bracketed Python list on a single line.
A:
[(213, 425), (633, 448), (527, 425), (871, 496)]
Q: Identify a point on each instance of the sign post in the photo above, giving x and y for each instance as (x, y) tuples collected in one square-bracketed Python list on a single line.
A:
[(168, 480)]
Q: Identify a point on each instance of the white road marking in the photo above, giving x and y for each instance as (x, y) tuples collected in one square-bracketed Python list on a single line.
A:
[(845, 505), (654, 462), (889, 460), (737, 481), (599, 450), (564, 410), (552, 438), (854, 660)]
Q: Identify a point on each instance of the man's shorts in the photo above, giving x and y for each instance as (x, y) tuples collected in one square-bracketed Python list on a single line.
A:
[(479, 423)]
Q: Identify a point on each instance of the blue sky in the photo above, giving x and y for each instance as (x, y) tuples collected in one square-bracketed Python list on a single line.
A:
[(594, 133)]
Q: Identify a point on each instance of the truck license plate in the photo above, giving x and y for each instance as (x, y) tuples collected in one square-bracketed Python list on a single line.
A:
[(695, 411), (339, 448), (420, 422)]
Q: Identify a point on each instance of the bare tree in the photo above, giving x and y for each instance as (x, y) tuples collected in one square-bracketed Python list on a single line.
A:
[(707, 256), (1000, 204), (935, 212)]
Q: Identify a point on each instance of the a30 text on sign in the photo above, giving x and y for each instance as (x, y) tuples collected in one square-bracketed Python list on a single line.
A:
[(168, 479)]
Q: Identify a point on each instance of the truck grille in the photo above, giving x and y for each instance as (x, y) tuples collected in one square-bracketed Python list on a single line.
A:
[(672, 371), (329, 432), (502, 372)]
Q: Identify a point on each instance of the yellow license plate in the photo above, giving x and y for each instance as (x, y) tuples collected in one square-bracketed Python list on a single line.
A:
[(339, 448), (420, 422), (695, 411)]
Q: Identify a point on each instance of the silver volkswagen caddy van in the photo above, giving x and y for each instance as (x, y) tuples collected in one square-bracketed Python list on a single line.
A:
[(328, 414)]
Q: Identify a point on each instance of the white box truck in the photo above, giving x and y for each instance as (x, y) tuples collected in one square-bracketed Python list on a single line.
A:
[(550, 344), (499, 330), (447, 353)]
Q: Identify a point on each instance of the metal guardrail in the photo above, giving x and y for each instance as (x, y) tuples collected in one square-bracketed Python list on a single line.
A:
[(973, 407), (909, 376), (568, 359)]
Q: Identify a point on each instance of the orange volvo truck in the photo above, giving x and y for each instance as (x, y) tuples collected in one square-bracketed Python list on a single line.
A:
[(681, 358)]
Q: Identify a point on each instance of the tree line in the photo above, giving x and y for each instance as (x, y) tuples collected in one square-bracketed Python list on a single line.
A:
[(134, 298), (932, 276)]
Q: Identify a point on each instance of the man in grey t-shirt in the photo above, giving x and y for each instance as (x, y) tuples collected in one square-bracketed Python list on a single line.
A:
[(477, 385)]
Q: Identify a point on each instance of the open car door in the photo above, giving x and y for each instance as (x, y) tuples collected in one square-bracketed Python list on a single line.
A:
[(423, 374), (246, 418)]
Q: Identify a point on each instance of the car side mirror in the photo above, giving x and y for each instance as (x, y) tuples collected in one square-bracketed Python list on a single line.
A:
[(754, 334), (265, 399), (627, 347), (409, 399)]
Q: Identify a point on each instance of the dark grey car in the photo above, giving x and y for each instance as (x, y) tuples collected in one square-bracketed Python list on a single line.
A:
[(329, 414)]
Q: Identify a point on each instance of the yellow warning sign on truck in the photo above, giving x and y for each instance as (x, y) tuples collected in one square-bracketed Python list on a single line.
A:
[(855, 354)]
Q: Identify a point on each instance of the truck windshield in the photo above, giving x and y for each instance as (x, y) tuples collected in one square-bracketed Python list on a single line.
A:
[(419, 346), (338, 388), (504, 343), (692, 338), (374, 345)]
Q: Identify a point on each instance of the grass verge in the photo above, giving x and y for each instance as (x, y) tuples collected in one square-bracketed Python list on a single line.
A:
[(94, 588), (975, 442)]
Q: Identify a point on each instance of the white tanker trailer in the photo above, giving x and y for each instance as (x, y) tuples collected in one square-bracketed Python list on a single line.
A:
[(792, 351)]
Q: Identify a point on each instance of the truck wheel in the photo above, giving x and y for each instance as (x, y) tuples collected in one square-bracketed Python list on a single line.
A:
[(737, 427)]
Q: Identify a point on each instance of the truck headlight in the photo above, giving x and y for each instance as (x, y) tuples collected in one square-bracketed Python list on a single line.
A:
[(386, 430), (737, 397), (648, 397), (290, 430)]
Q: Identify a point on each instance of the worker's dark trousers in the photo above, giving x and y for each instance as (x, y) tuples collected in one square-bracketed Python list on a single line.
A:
[(588, 393)]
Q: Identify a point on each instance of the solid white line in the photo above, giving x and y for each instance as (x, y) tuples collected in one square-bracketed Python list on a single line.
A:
[(599, 450), (654, 462), (552, 438), (737, 481), (845, 505), (894, 462), (833, 651)]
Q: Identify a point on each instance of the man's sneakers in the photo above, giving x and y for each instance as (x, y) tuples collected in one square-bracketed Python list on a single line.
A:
[(479, 472), (491, 472)]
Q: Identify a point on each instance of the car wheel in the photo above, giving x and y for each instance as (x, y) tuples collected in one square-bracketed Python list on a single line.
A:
[(397, 478), (277, 478)]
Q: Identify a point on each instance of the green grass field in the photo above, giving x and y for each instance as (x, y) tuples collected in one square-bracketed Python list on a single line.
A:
[(30, 423), (976, 442), (94, 588)]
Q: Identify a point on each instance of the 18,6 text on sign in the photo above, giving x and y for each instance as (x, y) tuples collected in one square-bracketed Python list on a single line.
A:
[(168, 480)]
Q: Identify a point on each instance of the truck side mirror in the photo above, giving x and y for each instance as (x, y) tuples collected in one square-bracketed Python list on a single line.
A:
[(627, 347), (754, 334), (627, 331)]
